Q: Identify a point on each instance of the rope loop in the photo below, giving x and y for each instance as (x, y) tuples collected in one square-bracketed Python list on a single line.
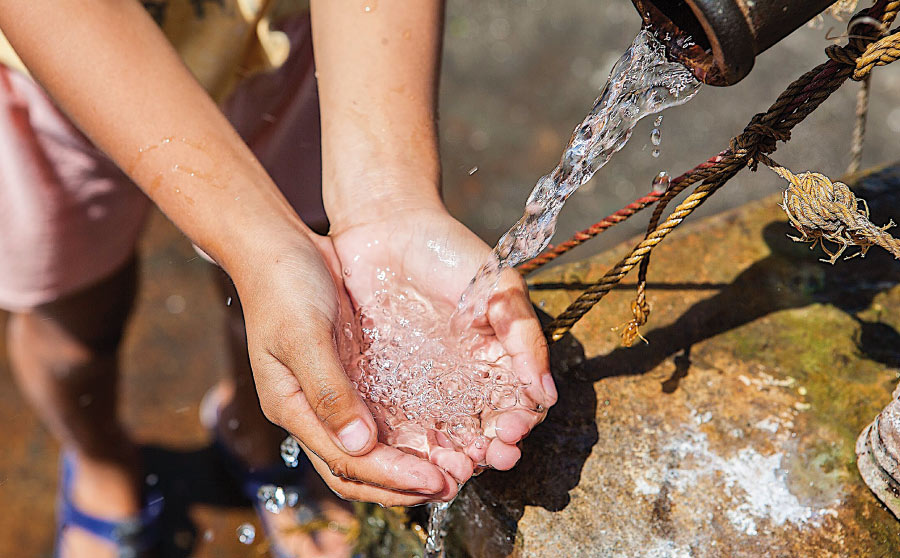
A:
[(758, 140)]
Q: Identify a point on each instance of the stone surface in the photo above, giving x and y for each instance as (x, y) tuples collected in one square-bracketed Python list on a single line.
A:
[(732, 432)]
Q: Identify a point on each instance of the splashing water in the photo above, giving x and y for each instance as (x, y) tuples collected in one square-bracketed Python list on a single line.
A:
[(290, 452), (246, 533), (643, 82), (426, 387)]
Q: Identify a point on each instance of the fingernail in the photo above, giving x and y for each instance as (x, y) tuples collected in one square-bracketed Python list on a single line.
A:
[(354, 436), (549, 387)]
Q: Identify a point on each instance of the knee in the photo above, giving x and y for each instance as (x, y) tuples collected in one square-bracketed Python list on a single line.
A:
[(37, 343)]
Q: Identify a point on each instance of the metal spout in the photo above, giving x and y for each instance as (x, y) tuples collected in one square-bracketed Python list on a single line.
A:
[(719, 39)]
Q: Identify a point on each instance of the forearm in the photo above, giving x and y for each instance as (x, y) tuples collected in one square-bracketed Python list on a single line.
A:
[(113, 72), (378, 75)]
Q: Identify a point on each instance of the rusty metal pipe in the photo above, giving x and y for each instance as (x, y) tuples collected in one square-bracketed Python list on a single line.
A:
[(719, 39)]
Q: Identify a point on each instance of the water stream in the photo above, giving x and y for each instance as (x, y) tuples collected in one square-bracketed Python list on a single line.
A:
[(643, 82)]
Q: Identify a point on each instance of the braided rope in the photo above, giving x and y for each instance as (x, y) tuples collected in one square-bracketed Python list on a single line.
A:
[(751, 147), (859, 127)]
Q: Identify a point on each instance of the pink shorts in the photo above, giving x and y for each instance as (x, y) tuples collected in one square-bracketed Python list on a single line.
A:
[(70, 218)]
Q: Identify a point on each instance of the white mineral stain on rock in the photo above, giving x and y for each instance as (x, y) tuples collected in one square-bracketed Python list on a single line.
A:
[(661, 548), (754, 487)]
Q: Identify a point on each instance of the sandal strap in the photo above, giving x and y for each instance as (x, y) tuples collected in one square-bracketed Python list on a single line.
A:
[(131, 536)]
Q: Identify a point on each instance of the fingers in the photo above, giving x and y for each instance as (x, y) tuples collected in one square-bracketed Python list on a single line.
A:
[(350, 489), (512, 426), (454, 462), (312, 358), (502, 456), (518, 330)]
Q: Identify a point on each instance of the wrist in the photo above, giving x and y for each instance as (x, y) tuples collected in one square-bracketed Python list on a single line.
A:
[(380, 195)]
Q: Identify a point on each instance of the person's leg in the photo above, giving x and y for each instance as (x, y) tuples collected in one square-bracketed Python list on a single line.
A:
[(64, 358)]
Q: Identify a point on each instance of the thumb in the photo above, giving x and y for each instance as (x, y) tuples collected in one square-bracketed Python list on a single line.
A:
[(313, 359)]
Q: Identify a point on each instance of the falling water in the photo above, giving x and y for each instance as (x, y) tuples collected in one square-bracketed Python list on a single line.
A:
[(643, 82), (437, 529)]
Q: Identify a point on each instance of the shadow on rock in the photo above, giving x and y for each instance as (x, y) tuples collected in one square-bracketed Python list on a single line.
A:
[(790, 277), (489, 508)]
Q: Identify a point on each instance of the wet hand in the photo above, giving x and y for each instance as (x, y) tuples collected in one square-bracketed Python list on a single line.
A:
[(293, 299), (439, 256)]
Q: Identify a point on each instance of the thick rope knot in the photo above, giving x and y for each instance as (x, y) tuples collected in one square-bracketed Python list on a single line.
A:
[(758, 140), (824, 210)]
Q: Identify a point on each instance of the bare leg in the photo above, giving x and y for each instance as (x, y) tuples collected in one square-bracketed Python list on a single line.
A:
[(256, 441), (63, 356)]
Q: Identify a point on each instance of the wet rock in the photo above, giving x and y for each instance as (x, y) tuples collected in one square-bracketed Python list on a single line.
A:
[(732, 432)]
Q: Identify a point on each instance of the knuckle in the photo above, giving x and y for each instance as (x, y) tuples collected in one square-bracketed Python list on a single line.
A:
[(339, 468), (330, 402)]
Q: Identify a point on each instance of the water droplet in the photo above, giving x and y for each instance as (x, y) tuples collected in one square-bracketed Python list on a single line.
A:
[(658, 121), (655, 136), (273, 498), (228, 301), (661, 182), (347, 272), (473, 170), (290, 452), (246, 533), (655, 153)]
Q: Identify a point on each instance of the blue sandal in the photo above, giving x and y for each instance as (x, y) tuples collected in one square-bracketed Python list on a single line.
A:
[(131, 536)]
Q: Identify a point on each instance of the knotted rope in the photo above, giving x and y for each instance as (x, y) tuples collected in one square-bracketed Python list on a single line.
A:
[(824, 210), (864, 51)]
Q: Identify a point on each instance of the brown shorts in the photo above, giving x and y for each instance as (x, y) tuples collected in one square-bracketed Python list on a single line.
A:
[(69, 217)]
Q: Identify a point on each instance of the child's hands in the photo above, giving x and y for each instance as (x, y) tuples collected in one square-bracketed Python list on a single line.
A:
[(292, 303), (439, 256)]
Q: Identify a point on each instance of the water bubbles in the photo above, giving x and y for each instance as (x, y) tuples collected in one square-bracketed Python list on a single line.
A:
[(418, 376), (246, 533), (272, 498), (290, 452), (661, 182)]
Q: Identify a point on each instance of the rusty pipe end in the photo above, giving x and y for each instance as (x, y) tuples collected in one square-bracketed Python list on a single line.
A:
[(712, 39), (720, 39)]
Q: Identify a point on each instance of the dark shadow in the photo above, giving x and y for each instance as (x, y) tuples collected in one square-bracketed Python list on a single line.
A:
[(186, 478), (682, 365), (878, 341), (490, 506)]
